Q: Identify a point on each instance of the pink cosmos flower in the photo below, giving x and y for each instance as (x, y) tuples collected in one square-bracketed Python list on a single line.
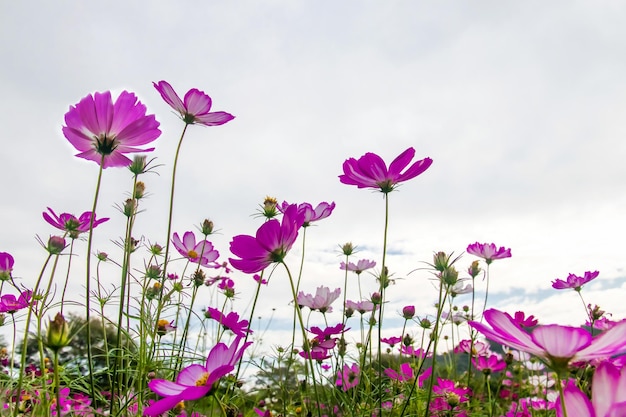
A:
[(10, 304), (200, 253), (230, 321), (443, 390), (574, 281), (521, 319), (348, 377), (196, 381), (322, 300), (370, 171), (195, 109), (361, 306), (6, 266), (104, 131), (405, 373), (272, 242), (70, 224), (488, 251), (477, 348), (310, 214), (608, 393), (391, 341), (556, 345), (489, 364), (359, 267)]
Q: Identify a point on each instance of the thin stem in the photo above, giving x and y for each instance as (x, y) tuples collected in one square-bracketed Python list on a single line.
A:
[(92, 388)]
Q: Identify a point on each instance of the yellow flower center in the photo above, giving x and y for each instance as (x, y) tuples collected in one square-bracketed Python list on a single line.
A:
[(192, 254), (202, 380)]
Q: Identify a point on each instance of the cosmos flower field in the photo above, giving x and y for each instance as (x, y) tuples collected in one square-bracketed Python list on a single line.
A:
[(146, 360)]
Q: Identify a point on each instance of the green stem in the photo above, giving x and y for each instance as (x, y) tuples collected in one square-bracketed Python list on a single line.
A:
[(92, 387)]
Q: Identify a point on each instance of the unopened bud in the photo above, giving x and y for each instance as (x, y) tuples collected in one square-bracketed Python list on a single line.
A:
[(348, 248), (58, 333), (140, 190), (206, 227), (408, 312), (56, 244)]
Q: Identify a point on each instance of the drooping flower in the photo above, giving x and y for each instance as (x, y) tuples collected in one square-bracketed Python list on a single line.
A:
[(321, 301), (370, 171), (574, 281), (200, 253), (272, 242), (6, 266), (229, 321), (310, 214), (196, 107), (488, 251), (104, 131), (196, 381), (69, 223), (10, 304), (556, 345), (348, 377), (608, 395), (359, 267)]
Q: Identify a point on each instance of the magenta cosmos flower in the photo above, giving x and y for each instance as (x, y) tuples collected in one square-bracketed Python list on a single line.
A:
[(574, 281), (272, 242), (6, 266), (200, 253), (10, 304), (348, 377), (608, 393), (321, 211), (370, 171), (195, 109), (70, 224), (488, 251), (104, 131), (229, 321), (556, 345), (196, 381)]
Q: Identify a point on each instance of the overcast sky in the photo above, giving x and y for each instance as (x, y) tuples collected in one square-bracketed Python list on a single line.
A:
[(519, 104)]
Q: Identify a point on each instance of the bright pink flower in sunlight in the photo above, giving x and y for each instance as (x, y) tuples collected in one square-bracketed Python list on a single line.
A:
[(272, 242), (69, 223), (195, 109), (10, 304), (608, 393), (310, 214), (200, 253), (229, 321), (104, 131), (359, 267), (196, 381), (370, 171), (348, 377), (556, 345), (6, 266), (574, 281), (488, 251), (361, 306)]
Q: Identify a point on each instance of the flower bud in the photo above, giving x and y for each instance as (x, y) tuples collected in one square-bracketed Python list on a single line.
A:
[(206, 227), (407, 340), (139, 165), (425, 323), (140, 190), (129, 207), (348, 248), (440, 261), (474, 269), (56, 244), (198, 277), (102, 256), (376, 298), (450, 276), (408, 312), (153, 272), (268, 209), (58, 333)]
